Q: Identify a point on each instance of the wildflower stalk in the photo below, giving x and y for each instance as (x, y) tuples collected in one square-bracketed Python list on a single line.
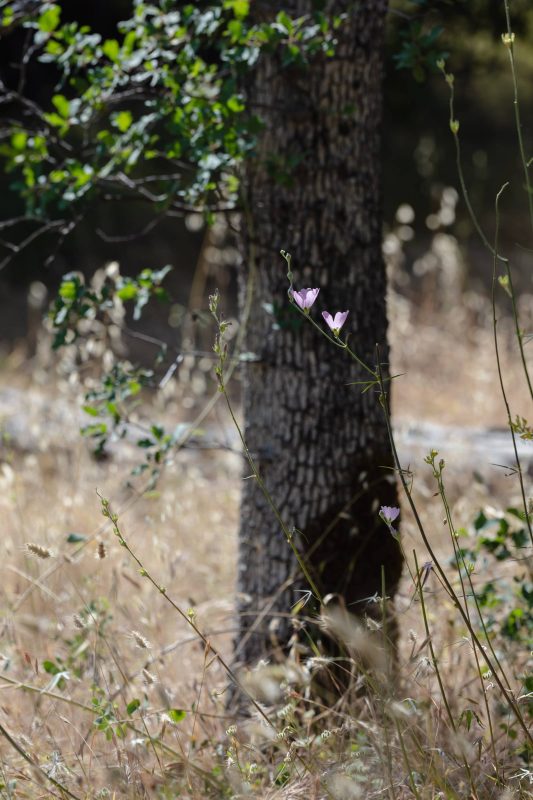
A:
[(519, 333), (499, 366), (463, 567), (221, 349), (508, 40), (407, 762), (113, 518), (444, 578), (389, 676), (383, 399), (333, 339), (460, 561), (454, 127), (434, 660), (106, 511)]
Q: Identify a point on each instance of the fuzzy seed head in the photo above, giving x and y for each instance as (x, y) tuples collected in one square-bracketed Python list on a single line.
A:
[(38, 550), (149, 679), (291, 754), (140, 640)]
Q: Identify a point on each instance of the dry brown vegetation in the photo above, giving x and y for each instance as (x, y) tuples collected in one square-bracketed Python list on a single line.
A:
[(84, 609)]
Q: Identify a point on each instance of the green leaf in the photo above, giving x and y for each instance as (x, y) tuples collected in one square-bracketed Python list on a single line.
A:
[(122, 120), (51, 668), (134, 387), (133, 706), (240, 8), (68, 290), (18, 140), (112, 409), (235, 104), (76, 538), (98, 429), (91, 410), (62, 105), (480, 521), (128, 292), (7, 16), (111, 49), (49, 19), (55, 119), (177, 714), (283, 19)]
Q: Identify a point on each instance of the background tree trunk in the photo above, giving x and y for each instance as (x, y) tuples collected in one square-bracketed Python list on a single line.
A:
[(321, 446)]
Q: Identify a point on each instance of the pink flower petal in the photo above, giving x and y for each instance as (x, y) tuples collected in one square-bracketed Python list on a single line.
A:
[(329, 319), (305, 297), (340, 319)]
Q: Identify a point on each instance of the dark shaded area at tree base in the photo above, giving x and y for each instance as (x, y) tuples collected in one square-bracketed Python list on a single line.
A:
[(347, 550)]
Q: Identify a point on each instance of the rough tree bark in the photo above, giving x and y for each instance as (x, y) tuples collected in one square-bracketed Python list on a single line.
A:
[(321, 446)]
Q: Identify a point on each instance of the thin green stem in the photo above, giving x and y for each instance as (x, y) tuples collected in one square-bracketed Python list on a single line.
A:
[(305, 313), (460, 562), (106, 511), (412, 782), (220, 348), (454, 127), (449, 588), (509, 44), (437, 671), (499, 366), (287, 533), (518, 331), (420, 590), (384, 623), (459, 558)]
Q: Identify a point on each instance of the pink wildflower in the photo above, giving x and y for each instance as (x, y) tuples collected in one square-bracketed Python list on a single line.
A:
[(305, 298), (388, 514), (336, 322)]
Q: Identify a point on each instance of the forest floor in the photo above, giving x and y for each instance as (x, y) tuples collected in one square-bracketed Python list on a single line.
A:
[(78, 628)]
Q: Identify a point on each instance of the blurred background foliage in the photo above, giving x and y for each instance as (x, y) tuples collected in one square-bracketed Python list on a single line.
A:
[(419, 158), (426, 223)]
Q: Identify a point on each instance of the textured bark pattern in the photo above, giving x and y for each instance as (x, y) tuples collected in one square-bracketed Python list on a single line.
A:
[(318, 442)]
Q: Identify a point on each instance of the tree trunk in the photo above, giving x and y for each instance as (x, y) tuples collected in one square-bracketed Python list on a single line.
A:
[(320, 444)]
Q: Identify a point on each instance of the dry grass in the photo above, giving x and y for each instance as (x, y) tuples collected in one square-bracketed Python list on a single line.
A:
[(98, 619), (184, 532)]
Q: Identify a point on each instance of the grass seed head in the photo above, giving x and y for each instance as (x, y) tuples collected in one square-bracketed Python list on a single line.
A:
[(140, 640), (38, 550)]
